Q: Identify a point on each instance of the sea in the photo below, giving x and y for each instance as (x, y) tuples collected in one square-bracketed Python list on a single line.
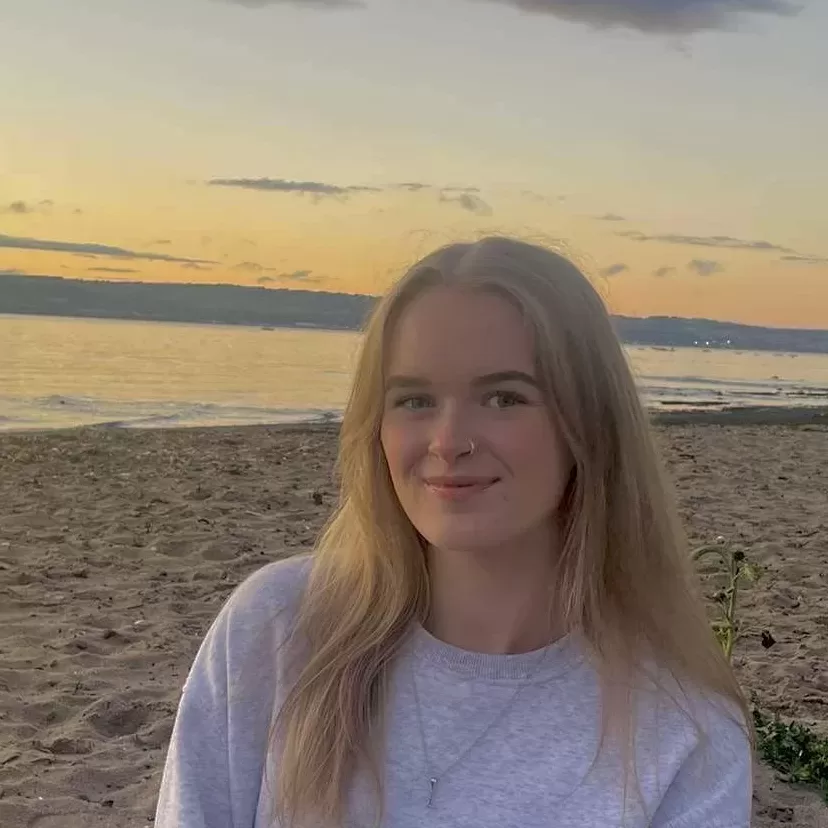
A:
[(61, 372)]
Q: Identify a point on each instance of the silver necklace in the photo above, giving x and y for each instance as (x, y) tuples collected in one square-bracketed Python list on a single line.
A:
[(434, 778)]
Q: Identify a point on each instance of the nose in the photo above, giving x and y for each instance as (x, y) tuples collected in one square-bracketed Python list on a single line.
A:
[(449, 437)]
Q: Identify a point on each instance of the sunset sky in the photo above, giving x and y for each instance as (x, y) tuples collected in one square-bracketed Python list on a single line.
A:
[(675, 148)]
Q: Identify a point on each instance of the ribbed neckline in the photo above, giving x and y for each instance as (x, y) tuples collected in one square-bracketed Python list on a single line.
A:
[(536, 665)]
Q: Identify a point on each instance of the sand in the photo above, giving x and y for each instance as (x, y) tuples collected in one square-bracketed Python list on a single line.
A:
[(117, 549)]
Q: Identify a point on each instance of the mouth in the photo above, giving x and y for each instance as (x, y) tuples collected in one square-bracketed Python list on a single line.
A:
[(457, 488)]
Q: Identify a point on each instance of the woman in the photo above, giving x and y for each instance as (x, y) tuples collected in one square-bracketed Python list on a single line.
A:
[(498, 626)]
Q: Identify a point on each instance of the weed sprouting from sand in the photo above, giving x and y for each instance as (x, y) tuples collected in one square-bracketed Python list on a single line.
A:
[(738, 570), (790, 748)]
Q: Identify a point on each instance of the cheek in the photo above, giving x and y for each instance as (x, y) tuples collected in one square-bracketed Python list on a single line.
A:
[(540, 457), (396, 444)]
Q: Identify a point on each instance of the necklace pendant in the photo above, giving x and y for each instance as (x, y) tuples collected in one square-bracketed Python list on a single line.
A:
[(433, 783)]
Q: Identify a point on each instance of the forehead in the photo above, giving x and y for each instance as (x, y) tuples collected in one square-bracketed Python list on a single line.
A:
[(452, 331)]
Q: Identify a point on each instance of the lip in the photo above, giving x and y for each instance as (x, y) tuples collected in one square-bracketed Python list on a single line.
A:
[(458, 487)]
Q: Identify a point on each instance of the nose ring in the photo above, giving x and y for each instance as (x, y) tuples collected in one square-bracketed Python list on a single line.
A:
[(472, 447)]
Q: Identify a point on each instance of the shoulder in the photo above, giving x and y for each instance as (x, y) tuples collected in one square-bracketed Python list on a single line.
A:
[(698, 755), (689, 714), (277, 585), (269, 596)]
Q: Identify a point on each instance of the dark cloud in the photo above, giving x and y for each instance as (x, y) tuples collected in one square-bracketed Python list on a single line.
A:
[(657, 16), (113, 270), (281, 185), (806, 259), (663, 271), (610, 217), (312, 4), (705, 267), (197, 265), (90, 250), (615, 270), (413, 186), (651, 16), (467, 200), (705, 241), (161, 242)]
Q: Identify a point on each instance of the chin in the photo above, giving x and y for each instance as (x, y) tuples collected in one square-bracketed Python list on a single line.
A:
[(469, 538)]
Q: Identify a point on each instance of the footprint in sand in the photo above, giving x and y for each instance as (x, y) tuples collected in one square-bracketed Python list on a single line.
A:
[(116, 717)]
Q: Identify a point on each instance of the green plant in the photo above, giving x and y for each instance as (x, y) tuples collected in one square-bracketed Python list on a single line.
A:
[(737, 570), (793, 749), (790, 748)]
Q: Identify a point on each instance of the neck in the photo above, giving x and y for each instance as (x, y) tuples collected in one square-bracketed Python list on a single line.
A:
[(492, 601)]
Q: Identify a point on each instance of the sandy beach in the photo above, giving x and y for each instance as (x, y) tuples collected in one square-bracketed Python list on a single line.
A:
[(117, 549)]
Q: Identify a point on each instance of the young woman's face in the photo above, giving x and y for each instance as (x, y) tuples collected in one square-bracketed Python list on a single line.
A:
[(475, 459)]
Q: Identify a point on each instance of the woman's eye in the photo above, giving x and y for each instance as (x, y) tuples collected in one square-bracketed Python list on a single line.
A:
[(505, 399), (413, 402)]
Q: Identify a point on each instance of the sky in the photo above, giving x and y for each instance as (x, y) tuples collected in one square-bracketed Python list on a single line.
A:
[(675, 149)]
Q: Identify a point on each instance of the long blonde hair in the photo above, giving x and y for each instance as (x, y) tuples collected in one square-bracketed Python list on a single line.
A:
[(624, 579)]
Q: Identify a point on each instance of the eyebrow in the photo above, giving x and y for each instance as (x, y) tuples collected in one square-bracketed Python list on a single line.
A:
[(402, 381)]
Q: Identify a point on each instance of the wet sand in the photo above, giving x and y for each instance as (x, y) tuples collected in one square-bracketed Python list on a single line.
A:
[(117, 549)]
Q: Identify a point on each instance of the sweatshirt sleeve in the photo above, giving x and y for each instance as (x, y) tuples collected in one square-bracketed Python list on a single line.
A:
[(217, 754), (714, 785)]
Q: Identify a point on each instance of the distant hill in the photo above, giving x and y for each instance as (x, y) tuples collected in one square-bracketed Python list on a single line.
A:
[(266, 307)]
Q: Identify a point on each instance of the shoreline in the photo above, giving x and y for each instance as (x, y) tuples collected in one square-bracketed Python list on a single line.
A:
[(791, 416)]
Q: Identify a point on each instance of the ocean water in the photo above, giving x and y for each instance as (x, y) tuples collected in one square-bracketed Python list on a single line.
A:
[(58, 372)]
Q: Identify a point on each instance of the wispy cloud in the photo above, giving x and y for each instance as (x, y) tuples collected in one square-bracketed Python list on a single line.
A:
[(705, 267), (160, 242), (90, 249), (281, 185), (705, 241), (661, 272), (553, 201), (615, 269), (250, 267), (297, 276), (657, 16), (274, 275), (113, 270), (467, 200), (814, 260), (25, 208), (610, 217)]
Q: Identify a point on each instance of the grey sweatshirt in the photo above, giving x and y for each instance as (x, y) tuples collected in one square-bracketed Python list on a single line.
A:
[(511, 739)]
